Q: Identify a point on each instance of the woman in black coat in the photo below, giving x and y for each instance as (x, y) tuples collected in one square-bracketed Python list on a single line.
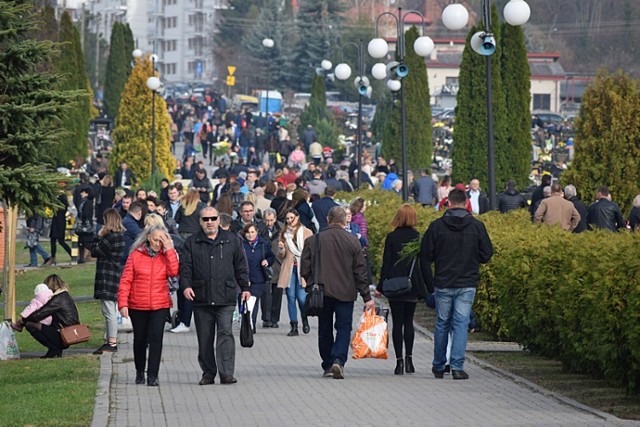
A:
[(402, 307), (106, 196), (85, 216), (258, 253), (59, 228)]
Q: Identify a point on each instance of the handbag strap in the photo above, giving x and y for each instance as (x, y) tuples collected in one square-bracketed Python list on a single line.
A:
[(316, 260), (413, 263)]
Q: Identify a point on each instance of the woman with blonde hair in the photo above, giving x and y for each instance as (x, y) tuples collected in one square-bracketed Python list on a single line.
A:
[(402, 307), (144, 296), (187, 217), (104, 200), (292, 238), (108, 247)]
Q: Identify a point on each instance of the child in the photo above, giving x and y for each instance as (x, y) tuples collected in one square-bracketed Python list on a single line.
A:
[(42, 295)]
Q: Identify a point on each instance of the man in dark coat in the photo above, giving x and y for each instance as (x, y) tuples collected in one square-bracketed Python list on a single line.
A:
[(308, 136), (511, 199), (570, 194), (124, 177), (322, 207), (538, 193), (604, 213)]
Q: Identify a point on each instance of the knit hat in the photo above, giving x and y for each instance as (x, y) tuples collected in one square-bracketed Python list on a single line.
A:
[(298, 195), (40, 288)]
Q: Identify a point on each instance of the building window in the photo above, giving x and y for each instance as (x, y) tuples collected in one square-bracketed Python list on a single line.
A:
[(541, 101)]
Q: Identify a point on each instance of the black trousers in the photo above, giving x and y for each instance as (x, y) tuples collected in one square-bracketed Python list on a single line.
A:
[(62, 243), (48, 336), (272, 304), (403, 331), (148, 330)]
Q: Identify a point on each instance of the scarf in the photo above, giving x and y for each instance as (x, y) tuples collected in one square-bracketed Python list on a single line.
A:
[(295, 247)]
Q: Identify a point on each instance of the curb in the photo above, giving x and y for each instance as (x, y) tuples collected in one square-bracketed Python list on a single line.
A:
[(536, 388), (101, 408)]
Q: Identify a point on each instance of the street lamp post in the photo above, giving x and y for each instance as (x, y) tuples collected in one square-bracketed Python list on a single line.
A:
[(154, 84), (343, 72), (455, 17), (378, 48), (268, 43)]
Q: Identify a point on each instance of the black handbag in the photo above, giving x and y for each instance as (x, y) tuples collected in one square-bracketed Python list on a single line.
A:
[(398, 286), (246, 329), (267, 270), (315, 291)]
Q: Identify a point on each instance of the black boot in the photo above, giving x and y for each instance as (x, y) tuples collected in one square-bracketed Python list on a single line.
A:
[(305, 325), (140, 377), (399, 367), (294, 330), (408, 365)]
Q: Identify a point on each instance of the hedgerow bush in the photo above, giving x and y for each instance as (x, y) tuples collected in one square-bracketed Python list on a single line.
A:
[(573, 297)]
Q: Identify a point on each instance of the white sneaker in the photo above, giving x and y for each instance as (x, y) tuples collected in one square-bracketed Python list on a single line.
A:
[(180, 328)]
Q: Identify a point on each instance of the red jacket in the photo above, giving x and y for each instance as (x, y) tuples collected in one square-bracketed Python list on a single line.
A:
[(143, 284)]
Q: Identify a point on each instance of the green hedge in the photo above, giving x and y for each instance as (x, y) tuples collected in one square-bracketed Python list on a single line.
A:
[(575, 298)]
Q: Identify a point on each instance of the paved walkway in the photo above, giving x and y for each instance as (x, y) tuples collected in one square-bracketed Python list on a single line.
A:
[(280, 384)]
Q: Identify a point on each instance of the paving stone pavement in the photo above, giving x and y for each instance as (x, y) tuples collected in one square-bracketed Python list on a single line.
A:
[(280, 384)]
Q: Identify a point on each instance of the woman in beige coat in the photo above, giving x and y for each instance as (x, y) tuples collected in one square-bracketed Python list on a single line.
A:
[(290, 247)]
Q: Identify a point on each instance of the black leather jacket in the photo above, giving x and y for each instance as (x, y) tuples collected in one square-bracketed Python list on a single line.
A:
[(605, 214), (61, 307), (510, 200)]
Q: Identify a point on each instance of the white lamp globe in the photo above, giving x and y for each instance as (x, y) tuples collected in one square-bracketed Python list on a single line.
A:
[(394, 85), (268, 43), (455, 16), (423, 46), (517, 12), (154, 58), (342, 71), (476, 41), (153, 83), (137, 53), (326, 64), (379, 71), (378, 48)]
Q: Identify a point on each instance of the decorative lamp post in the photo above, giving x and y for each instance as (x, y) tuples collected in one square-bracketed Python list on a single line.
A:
[(343, 72), (268, 44), (155, 85), (455, 17), (396, 70)]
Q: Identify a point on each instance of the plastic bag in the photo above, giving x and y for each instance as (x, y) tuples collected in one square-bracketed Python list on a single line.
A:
[(8, 343), (371, 337), (124, 323), (246, 330)]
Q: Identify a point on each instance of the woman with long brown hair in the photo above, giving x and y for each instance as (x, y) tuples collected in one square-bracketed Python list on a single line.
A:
[(292, 238), (187, 216), (108, 248), (104, 200)]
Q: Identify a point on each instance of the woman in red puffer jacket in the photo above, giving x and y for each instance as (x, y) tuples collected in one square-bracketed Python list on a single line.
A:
[(144, 296)]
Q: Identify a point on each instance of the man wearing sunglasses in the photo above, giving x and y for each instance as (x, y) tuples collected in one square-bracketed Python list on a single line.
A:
[(212, 265)]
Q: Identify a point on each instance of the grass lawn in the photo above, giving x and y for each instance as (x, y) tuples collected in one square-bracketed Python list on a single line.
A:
[(61, 392)]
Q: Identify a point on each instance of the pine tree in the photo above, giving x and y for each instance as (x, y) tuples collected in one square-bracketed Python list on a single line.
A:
[(73, 146), (129, 45), (607, 150), (132, 134), (31, 104), (417, 113), (317, 114), (117, 70), (516, 78)]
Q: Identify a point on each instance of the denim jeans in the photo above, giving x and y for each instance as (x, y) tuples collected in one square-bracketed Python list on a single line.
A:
[(33, 255), (453, 306), (295, 291), (335, 349)]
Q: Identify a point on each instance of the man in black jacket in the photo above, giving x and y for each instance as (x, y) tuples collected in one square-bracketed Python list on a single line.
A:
[(570, 194), (212, 265), (511, 199), (604, 213), (321, 207), (457, 243)]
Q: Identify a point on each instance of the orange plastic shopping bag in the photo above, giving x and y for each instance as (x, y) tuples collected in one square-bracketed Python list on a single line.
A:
[(371, 337)]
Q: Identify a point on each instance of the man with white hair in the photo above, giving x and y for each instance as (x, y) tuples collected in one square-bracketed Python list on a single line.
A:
[(570, 194)]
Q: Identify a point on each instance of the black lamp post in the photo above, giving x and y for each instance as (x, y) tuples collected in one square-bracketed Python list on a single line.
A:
[(154, 84), (268, 44)]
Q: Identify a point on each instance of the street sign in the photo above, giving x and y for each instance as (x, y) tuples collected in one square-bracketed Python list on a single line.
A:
[(231, 69), (231, 80)]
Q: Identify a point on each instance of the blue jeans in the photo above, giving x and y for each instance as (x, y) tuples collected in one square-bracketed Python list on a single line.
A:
[(295, 291), (453, 306), (335, 349), (33, 255)]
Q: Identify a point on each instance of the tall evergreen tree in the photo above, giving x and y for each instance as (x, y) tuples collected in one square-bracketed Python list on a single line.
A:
[(516, 78), (73, 146), (607, 151), (31, 104), (469, 152), (317, 21), (417, 113), (117, 70), (132, 134), (129, 44), (317, 109)]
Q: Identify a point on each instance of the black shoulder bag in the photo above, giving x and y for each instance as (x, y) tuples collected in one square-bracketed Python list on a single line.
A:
[(315, 291), (267, 271), (398, 286)]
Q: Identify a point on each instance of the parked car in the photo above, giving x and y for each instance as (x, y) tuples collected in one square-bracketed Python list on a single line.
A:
[(548, 117)]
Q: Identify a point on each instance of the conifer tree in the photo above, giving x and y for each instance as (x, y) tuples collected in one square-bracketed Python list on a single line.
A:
[(129, 45), (607, 148), (317, 114), (417, 113), (117, 70), (31, 104), (132, 134), (73, 146)]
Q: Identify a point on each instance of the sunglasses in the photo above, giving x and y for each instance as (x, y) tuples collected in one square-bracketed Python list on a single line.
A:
[(208, 218)]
